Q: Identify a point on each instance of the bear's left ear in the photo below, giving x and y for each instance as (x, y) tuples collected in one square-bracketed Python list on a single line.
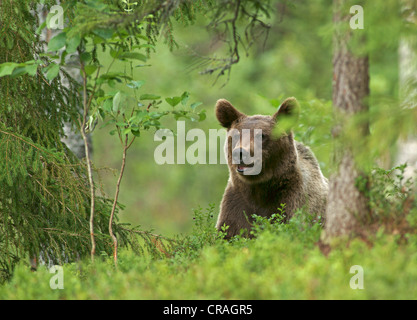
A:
[(226, 113), (289, 107)]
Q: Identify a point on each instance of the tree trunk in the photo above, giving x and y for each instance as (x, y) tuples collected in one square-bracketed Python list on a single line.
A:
[(407, 147), (73, 139), (346, 205)]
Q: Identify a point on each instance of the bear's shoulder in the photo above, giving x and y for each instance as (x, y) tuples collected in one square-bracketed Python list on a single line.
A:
[(304, 151)]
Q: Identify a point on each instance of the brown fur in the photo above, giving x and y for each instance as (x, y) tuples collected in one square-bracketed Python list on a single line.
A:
[(290, 172)]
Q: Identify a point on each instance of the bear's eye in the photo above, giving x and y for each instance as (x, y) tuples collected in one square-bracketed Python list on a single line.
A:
[(262, 136)]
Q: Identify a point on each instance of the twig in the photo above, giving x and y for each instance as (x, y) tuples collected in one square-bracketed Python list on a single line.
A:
[(87, 155), (116, 196)]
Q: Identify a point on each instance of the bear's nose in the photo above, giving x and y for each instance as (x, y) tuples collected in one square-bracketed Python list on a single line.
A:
[(240, 156)]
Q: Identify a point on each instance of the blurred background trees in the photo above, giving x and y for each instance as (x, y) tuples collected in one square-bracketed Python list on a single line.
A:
[(295, 60)]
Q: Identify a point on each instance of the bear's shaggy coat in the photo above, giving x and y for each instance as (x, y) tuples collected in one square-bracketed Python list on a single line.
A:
[(290, 173)]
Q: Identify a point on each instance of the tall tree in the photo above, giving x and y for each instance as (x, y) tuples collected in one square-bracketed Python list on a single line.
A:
[(346, 203), (407, 148)]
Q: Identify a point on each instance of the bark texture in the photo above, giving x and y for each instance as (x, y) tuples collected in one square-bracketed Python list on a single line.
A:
[(346, 205)]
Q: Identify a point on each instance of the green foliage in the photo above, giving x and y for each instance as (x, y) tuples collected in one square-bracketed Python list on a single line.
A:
[(43, 196), (33, 157), (391, 199), (284, 261), (203, 234), (44, 199)]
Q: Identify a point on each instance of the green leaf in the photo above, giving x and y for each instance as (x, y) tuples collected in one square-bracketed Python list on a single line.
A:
[(180, 114), (89, 70), (136, 132), (133, 55), (18, 72), (98, 40), (7, 68), (115, 54), (184, 98), (57, 42), (104, 33), (85, 57), (52, 72), (116, 101), (73, 43), (108, 105), (195, 105), (98, 5), (31, 69), (136, 84), (202, 115), (173, 101), (148, 96)]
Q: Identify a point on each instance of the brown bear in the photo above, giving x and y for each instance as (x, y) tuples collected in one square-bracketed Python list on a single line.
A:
[(287, 171)]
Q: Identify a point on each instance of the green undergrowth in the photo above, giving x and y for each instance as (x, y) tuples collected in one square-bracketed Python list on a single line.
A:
[(281, 262)]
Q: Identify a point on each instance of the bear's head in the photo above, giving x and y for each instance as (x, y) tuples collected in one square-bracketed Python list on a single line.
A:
[(256, 151)]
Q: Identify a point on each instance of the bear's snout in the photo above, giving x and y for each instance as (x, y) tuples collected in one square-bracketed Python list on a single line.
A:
[(241, 156)]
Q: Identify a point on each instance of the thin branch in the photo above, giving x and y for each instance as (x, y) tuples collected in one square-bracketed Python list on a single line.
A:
[(116, 196), (231, 36), (87, 155), (27, 142)]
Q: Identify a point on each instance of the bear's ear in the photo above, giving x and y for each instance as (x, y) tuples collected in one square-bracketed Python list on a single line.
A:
[(289, 107), (226, 113)]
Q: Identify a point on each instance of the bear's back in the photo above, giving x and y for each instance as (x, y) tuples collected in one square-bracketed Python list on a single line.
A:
[(314, 183)]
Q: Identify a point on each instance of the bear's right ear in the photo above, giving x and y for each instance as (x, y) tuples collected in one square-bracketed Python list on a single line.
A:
[(226, 113), (290, 107)]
